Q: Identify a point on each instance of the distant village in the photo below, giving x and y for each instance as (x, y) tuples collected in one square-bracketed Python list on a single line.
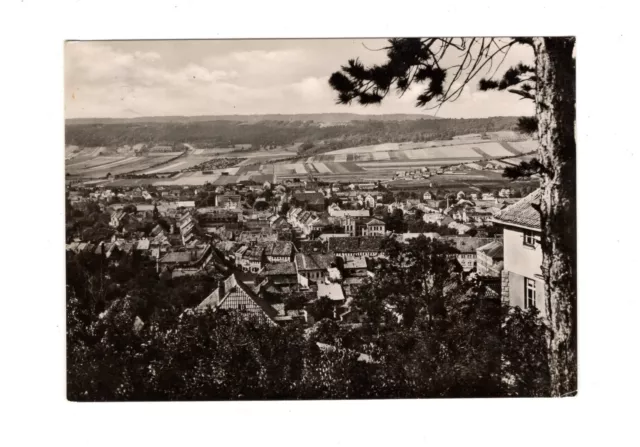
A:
[(266, 238)]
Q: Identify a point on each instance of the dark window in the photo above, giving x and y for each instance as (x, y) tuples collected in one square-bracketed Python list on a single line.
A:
[(529, 238), (529, 293)]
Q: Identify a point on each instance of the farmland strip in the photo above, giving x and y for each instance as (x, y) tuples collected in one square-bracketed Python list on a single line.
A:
[(510, 148), (480, 152)]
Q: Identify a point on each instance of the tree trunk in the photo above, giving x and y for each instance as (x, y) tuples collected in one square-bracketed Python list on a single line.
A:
[(556, 113)]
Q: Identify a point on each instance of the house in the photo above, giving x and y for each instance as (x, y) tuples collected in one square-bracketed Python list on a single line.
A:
[(253, 258), (490, 258), (239, 258), (374, 227), (228, 201), (279, 276), (363, 227), (188, 227), (117, 218), (249, 237), (427, 196), (331, 290), (279, 251), (187, 261), (234, 295), (465, 249), (355, 267), (522, 280), (369, 201), (314, 266), (459, 227), (356, 247)]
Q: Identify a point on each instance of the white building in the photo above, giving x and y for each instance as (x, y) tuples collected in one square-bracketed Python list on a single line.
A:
[(522, 281)]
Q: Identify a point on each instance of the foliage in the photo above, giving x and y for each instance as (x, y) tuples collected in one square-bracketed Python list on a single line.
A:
[(130, 336), (321, 308), (524, 170)]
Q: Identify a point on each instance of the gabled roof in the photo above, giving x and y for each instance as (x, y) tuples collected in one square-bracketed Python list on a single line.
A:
[(239, 296), (493, 249), (281, 268), (279, 248), (314, 261), (522, 213)]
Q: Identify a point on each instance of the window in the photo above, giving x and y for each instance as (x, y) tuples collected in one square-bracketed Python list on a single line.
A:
[(529, 238), (529, 293)]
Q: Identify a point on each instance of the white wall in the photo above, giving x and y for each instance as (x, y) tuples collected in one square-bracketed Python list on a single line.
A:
[(520, 258), (522, 261)]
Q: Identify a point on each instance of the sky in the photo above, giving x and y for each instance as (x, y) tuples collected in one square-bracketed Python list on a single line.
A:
[(126, 79)]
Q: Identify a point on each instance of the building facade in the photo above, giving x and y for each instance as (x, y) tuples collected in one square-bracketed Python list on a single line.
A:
[(522, 281)]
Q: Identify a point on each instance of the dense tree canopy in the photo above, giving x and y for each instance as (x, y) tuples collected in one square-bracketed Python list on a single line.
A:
[(130, 336)]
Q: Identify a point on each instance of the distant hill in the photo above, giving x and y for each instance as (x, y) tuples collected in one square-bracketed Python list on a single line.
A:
[(329, 118), (310, 136)]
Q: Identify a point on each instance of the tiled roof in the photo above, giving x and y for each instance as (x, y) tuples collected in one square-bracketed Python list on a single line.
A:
[(493, 249), (281, 268), (279, 248), (355, 244), (312, 246), (181, 257), (522, 212), (314, 261)]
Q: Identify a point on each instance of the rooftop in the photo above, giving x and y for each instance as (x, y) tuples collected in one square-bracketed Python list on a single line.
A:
[(279, 248), (493, 249), (314, 261), (522, 213), (281, 268), (183, 257), (333, 291), (356, 244), (313, 246), (358, 263)]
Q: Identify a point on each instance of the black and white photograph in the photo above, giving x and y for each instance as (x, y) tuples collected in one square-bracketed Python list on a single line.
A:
[(301, 219)]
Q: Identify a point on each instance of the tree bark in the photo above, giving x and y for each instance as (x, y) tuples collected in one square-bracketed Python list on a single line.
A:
[(556, 113)]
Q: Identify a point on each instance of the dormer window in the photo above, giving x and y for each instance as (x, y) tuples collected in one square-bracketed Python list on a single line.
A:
[(529, 238)]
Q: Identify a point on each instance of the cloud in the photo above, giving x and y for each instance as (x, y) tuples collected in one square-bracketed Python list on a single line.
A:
[(110, 79)]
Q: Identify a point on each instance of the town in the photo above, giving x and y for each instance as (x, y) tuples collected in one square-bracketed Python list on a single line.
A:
[(265, 240)]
